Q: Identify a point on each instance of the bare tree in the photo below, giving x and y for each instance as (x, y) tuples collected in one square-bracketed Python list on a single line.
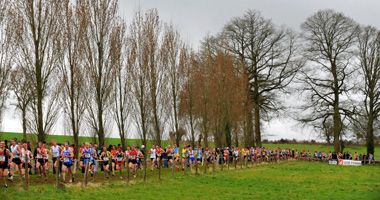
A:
[(235, 41), (121, 93), (102, 20), (186, 112), (73, 96), (369, 56), (138, 67), (329, 38), (173, 57), (268, 53), (37, 38), (6, 53), (157, 73), (21, 86)]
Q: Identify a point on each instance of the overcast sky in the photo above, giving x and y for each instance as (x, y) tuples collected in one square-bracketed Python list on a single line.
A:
[(197, 18)]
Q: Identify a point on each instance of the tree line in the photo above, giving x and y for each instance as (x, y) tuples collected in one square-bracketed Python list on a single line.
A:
[(80, 60)]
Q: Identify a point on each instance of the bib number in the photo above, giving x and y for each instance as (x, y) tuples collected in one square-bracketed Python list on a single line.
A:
[(87, 155), (2, 158), (105, 158), (66, 160)]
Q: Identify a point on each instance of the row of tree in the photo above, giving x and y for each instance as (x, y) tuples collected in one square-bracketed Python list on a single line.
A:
[(80, 57)]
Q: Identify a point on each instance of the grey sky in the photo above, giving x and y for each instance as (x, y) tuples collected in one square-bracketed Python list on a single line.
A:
[(197, 18)]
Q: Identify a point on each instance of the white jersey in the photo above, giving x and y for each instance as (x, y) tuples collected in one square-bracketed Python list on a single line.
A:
[(153, 153), (27, 153), (55, 150), (14, 151)]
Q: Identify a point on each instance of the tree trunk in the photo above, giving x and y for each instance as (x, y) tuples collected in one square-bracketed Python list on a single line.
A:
[(24, 124), (337, 119), (123, 142), (192, 129), (257, 124), (40, 123), (177, 134), (370, 141)]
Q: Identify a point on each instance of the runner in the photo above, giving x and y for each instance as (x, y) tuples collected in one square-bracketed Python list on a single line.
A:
[(152, 153), (169, 153), (105, 156), (120, 157), (199, 153), (41, 154), (184, 155), (132, 161), (159, 152), (207, 156), (25, 153), (88, 158), (81, 158), (15, 165), (191, 153), (113, 153), (176, 156), (55, 151), (46, 158), (226, 154), (67, 156), (5, 155), (140, 157)]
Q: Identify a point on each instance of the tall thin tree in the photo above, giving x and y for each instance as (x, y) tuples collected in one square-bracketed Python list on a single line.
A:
[(369, 56), (72, 74), (37, 39), (101, 19)]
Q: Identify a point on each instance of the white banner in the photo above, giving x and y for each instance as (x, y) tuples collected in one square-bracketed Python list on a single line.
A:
[(349, 162), (333, 162)]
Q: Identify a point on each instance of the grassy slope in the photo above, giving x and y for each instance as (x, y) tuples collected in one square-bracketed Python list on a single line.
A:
[(299, 147), (289, 180)]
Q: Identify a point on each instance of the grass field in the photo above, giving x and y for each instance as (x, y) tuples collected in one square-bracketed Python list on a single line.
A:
[(299, 147), (287, 180)]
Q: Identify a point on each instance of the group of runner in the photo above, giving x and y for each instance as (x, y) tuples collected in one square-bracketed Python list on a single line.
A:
[(18, 157)]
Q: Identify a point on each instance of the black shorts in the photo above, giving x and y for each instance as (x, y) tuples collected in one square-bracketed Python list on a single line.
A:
[(16, 161), (23, 165), (41, 161), (170, 157), (105, 163), (133, 161), (199, 159), (68, 165), (4, 166)]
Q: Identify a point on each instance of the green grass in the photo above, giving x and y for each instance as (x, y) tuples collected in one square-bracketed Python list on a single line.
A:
[(288, 180)]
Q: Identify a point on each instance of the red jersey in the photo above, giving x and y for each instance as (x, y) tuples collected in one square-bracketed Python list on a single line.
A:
[(133, 154)]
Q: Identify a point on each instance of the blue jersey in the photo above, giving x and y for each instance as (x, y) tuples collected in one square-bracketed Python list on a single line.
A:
[(66, 157), (175, 150), (199, 153)]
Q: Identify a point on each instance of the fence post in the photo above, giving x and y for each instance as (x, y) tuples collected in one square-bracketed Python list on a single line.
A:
[(26, 179), (85, 174), (159, 168), (57, 172)]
